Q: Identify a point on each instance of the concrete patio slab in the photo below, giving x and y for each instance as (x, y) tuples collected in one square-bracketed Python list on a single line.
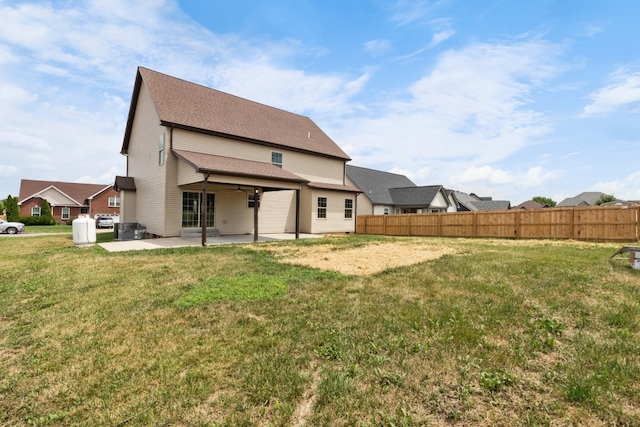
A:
[(177, 242)]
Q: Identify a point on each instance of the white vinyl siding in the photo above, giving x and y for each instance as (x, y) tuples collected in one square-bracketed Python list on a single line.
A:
[(309, 166), (335, 221), (142, 165), (277, 212)]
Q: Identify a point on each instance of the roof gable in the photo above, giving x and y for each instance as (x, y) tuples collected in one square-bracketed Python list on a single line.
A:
[(199, 108), (586, 198), (60, 192), (416, 196), (375, 184)]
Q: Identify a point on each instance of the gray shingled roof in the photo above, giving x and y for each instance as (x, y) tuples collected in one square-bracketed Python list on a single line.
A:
[(530, 204), (414, 196), (588, 198), (493, 205), (375, 184), (192, 106), (466, 200)]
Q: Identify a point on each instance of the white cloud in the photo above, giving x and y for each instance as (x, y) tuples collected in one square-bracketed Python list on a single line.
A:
[(627, 188), (622, 90), (12, 95), (537, 176), (484, 174), (417, 176), (8, 170), (411, 11), (471, 105), (441, 36), (377, 47)]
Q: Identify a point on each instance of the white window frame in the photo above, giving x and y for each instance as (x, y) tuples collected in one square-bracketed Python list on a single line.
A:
[(114, 202), (348, 208), (66, 213), (322, 207), (36, 211)]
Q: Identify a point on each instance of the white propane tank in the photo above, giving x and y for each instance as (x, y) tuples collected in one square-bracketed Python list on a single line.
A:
[(635, 262), (84, 231)]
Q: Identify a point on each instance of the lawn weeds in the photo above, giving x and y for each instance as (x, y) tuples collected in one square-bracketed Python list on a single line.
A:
[(497, 333)]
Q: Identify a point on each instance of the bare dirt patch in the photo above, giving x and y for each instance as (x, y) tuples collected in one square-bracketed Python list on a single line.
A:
[(361, 261)]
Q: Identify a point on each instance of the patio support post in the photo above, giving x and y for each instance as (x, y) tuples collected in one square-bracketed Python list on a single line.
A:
[(203, 210), (297, 213), (256, 202)]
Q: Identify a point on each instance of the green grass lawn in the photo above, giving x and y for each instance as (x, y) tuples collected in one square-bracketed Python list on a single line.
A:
[(500, 333)]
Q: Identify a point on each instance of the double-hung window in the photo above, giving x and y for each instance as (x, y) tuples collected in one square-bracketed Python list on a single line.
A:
[(114, 202), (35, 211), (322, 207), (66, 213), (348, 208)]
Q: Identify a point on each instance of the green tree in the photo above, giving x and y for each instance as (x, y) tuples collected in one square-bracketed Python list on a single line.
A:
[(605, 198), (46, 211), (545, 201), (11, 205)]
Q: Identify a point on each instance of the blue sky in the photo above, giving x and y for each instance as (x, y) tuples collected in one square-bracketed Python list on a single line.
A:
[(510, 99)]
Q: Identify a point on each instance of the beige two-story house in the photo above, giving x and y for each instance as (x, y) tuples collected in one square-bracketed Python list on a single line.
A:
[(194, 152)]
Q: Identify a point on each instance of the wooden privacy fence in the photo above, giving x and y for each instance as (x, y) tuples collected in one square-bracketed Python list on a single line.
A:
[(615, 223)]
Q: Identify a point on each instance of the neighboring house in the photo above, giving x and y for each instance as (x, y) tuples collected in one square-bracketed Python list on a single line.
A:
[(389, 193), (588, 198), (68, 199), (492, 205), (530, 204), (471, 202), (375, 185), (187, 144)]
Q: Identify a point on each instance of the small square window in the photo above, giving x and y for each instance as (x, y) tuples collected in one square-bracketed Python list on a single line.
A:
[(114, 202), (35, 211)]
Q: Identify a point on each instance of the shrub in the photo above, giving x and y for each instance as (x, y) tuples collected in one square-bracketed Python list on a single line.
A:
[(36, 220)]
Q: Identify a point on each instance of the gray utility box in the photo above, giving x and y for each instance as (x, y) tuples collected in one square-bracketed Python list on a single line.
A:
[(129, 231)]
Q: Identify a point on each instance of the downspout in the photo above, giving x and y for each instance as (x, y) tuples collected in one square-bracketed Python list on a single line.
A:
[(203, 209), (256, 202), (355, 215), (298, 212)]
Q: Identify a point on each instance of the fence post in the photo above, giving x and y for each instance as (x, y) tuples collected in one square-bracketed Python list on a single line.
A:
[(572, 222), (518, 230), (474, 223)]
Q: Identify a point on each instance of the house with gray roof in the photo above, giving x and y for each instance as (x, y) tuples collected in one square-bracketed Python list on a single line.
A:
[(587, 198), (390, 193), (471, 202), (204, 161)]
